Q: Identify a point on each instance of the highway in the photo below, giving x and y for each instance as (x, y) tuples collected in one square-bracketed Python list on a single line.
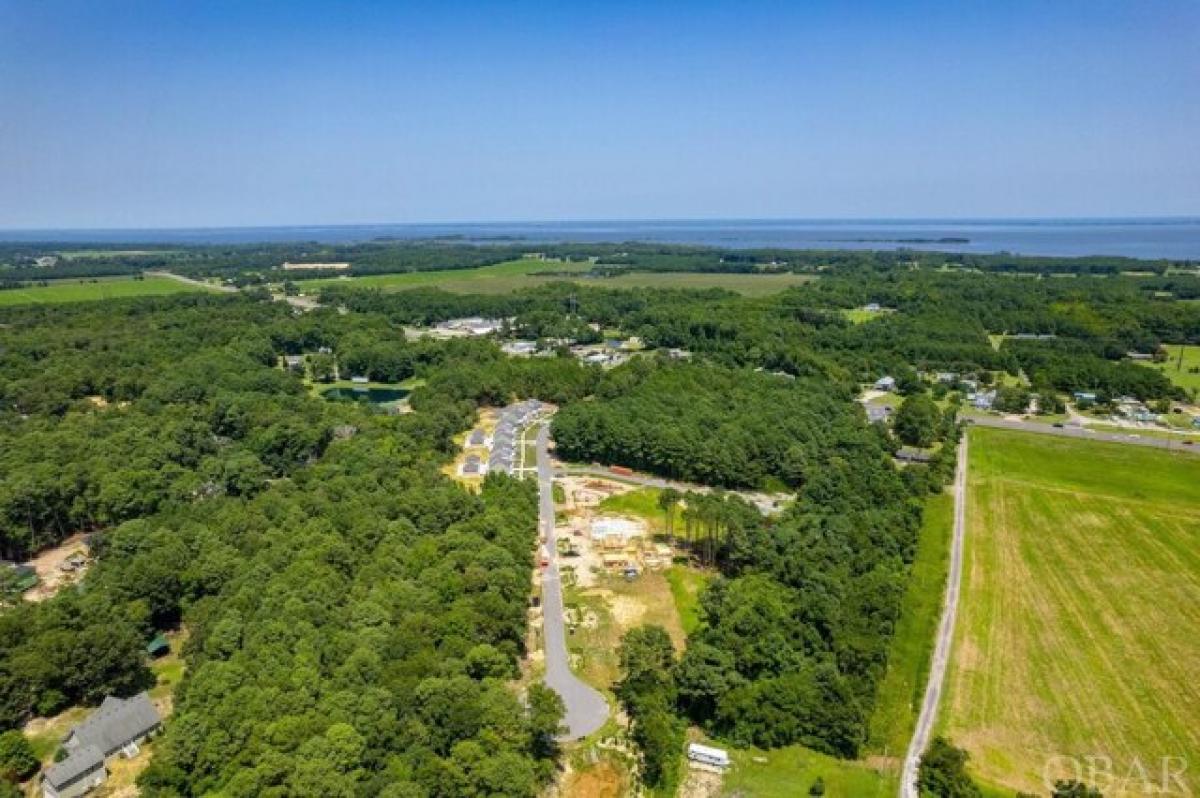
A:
[(586, 708), (945, 635), (1132, 438)]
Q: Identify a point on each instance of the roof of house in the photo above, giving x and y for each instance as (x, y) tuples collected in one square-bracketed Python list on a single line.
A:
[(911, 455), (81, 761), (117, 722)]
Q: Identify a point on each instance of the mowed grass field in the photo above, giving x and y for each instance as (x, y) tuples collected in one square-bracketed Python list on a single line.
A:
[(93, 288), (1079, 629), (513, 275), (1183, 376), (791, 771)]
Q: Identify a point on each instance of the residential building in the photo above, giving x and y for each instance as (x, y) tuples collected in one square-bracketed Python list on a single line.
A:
[(520, 348), (117, 727), (908, 454), (878, 413), (885, 384), (315, 267)]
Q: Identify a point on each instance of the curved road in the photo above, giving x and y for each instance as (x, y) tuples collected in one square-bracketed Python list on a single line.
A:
[(945, 634), (586, 708)]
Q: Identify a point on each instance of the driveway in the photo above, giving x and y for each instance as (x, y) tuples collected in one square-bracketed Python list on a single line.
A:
[(945, 635), (586, 708)]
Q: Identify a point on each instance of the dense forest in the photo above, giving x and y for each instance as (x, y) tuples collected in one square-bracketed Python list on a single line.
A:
[(355, 618)]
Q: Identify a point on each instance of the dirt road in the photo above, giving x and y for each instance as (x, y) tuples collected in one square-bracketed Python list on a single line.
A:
[(945, 635)]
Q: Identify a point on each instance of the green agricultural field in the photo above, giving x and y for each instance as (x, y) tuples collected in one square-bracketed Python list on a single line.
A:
[(902, 688), (86, 254), (513, 275), (498, 279), (745, 284), (1183, 376), (1079, 629), (83, 290)]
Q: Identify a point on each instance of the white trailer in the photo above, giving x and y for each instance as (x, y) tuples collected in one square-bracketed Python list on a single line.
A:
[(708, 755)]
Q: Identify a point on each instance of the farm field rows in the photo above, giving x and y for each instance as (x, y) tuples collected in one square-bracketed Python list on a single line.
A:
[(73, 290), (513, 275), (1079, 629)]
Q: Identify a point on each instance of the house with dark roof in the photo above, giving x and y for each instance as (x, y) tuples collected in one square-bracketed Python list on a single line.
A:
[(909, 454), (115, 728)]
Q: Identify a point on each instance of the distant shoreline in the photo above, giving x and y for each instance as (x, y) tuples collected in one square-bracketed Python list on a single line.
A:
[(1146, 238)]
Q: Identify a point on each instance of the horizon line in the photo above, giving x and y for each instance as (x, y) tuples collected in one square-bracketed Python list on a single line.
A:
[(1141, 218)]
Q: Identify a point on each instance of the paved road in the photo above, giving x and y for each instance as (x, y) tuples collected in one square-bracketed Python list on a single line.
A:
[(1078, 432), (586, 708), (945, 635)]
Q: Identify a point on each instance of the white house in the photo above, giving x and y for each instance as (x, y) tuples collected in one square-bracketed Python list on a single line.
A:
[(885, 384)]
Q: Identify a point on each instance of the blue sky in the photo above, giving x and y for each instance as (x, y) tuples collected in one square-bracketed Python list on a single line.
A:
[(150, 114)]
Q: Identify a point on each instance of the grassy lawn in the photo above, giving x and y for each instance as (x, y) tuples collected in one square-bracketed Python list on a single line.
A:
[(903, 686), (860, 315), (788, 772), (168, 669), (93, 288), (1079, 629), (512, 275), (498, 279), (1181, 376), (46, 734), (643, 504), (686, 583)]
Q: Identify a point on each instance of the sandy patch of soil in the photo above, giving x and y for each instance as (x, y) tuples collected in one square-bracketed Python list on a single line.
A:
[(52, 574)]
